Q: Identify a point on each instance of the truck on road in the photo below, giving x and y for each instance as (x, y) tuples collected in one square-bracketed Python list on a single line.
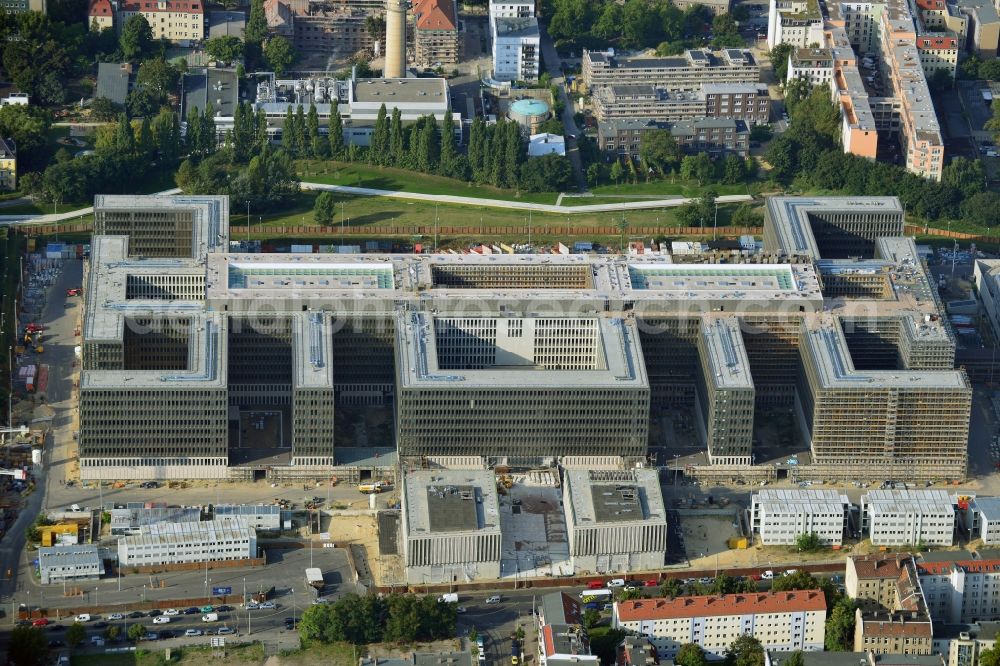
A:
[(314, 576), (449, 598)]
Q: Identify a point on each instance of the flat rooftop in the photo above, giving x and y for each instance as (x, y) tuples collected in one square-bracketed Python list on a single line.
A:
[(606, 497), (312, 351), (826, 346), (894, 502), (989, 507), (727, 355), (210, 228), (172, 534), (450, 501), (404, 91), (789, 217), (801, 501), (617, 345)]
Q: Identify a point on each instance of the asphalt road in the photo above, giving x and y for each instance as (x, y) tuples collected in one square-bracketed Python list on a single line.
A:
[(59, 343), (552, 67)]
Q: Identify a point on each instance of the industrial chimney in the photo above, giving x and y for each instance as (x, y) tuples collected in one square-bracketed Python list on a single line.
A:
[(395, 39)]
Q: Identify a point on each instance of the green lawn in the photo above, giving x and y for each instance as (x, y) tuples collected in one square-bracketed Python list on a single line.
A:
[(663, 187), (383, 178), (41, 209), (148, 655)]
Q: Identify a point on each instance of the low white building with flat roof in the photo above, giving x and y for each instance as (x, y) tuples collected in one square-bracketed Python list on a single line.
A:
[(178, 543), (450, 526), (780, 516), (616, 520), (908, 517), (986, 516), (257, 516), (68, 564)]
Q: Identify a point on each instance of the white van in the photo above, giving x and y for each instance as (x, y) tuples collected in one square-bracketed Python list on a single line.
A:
[(210, 617), (495, 599), (616, 582)]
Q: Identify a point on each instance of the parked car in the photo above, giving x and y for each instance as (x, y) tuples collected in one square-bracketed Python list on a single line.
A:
[(616, 582), (116, 616), (652, 582), (193, 632), (767, 575), (154, 613), (495, 599), (191, 611), (223, 608), (151, 636), (136, 614), (207, 609), (171, 612), (595, 584), (41, 622), (225, 631), (163, 619), (82, 617)]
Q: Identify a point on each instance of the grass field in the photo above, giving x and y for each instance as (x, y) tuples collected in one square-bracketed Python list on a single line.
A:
[(383, 178), (662, 187), (241, 654), (40, 208)]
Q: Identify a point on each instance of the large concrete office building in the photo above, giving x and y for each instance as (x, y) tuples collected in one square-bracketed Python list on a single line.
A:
[(450, 526), (616, 520), (188, 349), (520, 389), (781, 516)]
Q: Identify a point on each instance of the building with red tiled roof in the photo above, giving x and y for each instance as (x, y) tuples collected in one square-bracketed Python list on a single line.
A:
[(562, 640), (181, 21), (779, 620), (893, 633), (100, 15), (435, 34), (961, 587)]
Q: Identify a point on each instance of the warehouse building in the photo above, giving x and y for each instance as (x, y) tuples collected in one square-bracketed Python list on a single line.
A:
[(69, 564), (450, 526), (725, 393), (501, 387), (181, 543), (781, 516), (265, 517), (779, 620), (616, 520), (902, 517)]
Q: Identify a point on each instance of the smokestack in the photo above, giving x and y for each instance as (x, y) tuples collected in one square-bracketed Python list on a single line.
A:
[(395, 39)]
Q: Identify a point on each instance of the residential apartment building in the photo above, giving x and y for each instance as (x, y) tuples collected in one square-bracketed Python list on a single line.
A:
[(795, 22), (902, 625), (983, 27), (326, 29), (511, 9), (8, 164), (779, 620), (908, 517), (781, 516), (961, 587), (20, 6), (676, 73), (718, 136), (562, 639), (435, 32), (986, 277), (747, 102), (101, 15), (180, 543), (962, 644), (812, 65), (181, 21), (516, 47), (986, 519), (636, 651), (714, 6)]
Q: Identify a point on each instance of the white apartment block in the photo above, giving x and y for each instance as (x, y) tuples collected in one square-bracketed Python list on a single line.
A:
[(960, 590), (779, 620), (908, 517), (795, 22), (178, 543), (512, 9), (812, 65), (516, 43), (986, 519), (780, 516)]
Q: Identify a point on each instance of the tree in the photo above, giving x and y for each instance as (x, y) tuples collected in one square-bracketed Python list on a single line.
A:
[(279, 54), (76, 634), (27, 646), (336, 130), (659, 150), (609, 23), (136, 38), (779, 60), (158, 77), (795, 659), (104, 109), (28, 127), (375, 27), (112, 632), (982, 209), (380, 138), (50, 90), (256, 28), (697, 167), (940, 80), (761, 133), (477, 148), (671, 587), (591, 618), (144, 141), (209, 140), (449, 153), (124, 136), (796, 90), (136, 632), (744, 216), (839, 630), (690, 654), (808, 542), (989, 70), (965, 174), (547, 173), (617, 171), (225, 48), (745, 651), (325, 208), (639, 26), (312, 130), (782, 155), (734, 169), (595, 174), (301, 140)]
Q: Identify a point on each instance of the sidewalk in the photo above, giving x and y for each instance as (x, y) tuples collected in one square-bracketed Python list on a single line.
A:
[(517, 205)]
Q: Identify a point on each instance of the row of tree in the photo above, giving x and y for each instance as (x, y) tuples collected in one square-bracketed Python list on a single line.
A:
[(396, 618), (637, 24)]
